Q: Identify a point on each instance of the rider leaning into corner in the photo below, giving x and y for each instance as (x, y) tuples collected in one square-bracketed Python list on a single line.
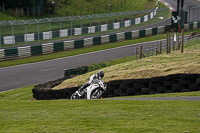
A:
[(93, 79)]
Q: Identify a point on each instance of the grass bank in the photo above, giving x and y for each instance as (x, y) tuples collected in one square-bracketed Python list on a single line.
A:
[(161, 65), (19, 114), (99, 116)]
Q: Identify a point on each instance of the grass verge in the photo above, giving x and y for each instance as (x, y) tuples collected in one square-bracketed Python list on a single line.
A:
[(99, 116), (20, 114)]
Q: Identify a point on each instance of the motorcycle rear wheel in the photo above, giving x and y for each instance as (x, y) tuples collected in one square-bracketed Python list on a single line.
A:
[(74, 96), (96, 94)]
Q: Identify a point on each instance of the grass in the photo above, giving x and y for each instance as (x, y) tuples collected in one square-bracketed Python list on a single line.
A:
[(76, 7), (24, 115), (20, 113), (99, 116)]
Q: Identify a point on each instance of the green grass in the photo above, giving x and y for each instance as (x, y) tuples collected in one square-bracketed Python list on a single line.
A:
[(24, 93), (97, 116), (76, 7), (5, 16), (20, 113)]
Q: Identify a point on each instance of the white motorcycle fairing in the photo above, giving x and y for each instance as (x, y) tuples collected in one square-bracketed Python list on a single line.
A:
[(90, 89), (93, 91)]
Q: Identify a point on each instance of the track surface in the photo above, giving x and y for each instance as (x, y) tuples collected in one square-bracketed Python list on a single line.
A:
[(35, 73), (160, 98)]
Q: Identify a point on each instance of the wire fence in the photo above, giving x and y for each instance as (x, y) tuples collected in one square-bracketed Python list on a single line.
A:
[(24, 32), (193, 13), (173, 42)]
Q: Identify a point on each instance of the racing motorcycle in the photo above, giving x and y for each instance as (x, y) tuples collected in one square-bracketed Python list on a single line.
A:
[(94, 91)]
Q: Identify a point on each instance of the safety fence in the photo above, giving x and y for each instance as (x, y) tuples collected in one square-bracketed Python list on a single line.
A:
[(48, 28), (27, 51), (21, 52), (126, 87)]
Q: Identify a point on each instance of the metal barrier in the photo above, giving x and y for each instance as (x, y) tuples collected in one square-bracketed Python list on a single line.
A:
[(76, 71), (27, 31), (21, 52)]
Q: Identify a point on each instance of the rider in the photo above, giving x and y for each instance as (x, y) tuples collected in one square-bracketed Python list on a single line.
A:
[(93, 79)]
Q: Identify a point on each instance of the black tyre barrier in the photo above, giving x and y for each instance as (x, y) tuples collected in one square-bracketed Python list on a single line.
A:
[(162, 84)]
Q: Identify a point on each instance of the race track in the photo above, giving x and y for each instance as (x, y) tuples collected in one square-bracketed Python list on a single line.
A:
[(196, 98)]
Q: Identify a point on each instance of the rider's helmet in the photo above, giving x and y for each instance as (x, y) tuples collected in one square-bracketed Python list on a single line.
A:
[(100, 74)]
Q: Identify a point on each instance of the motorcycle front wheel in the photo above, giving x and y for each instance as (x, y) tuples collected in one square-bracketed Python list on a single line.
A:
[(96, 94), (74, 96)]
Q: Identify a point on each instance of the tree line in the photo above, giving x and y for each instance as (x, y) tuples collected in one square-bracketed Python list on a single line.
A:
[(17, 3)]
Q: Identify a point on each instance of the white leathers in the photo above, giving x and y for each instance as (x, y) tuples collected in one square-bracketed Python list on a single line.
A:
[(93, 79)]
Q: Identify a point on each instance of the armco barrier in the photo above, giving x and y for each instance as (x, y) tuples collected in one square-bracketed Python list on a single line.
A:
[(162, 84), (76, 71), (14, 53)]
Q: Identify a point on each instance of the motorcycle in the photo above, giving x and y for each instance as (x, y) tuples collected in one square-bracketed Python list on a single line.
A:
[(94, 91)]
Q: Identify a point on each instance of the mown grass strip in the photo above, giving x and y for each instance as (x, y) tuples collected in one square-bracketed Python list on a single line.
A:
[(99, 116)]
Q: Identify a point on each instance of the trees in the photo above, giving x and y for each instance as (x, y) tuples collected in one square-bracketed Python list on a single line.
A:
[(66, 2), (18, 3)]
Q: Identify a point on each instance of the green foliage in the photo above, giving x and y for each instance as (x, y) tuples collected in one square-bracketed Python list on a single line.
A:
[(97, 66), (103, 64), (18, 3)]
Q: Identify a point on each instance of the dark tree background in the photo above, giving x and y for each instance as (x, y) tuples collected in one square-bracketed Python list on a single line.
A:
[(17, 3)]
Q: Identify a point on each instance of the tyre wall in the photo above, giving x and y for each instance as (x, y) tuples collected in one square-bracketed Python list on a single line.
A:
[(162, 84)]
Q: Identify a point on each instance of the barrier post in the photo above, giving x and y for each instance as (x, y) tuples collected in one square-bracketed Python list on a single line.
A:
[(0, 33), (147, 53), (136, 53), (160, 47), (167, 43), (140, 52), (182, 41), (156, 49), (71, 27)]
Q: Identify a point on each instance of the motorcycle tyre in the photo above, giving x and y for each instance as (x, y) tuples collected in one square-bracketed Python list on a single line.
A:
[(100, 91), (77, 96)]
